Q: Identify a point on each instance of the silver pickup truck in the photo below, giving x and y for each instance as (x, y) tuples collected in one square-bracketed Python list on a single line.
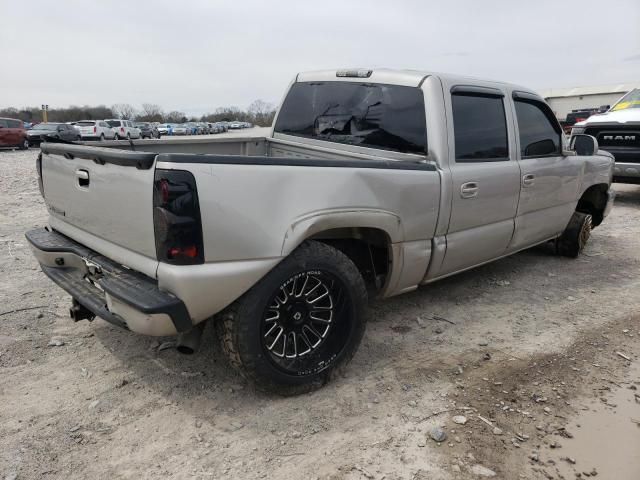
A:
[(369, 183)]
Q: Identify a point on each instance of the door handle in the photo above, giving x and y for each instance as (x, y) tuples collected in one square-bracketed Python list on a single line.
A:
[(528, 179), (83, 177), (469, 190)]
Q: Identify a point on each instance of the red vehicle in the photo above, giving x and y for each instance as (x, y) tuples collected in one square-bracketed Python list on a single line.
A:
[(13, 133)]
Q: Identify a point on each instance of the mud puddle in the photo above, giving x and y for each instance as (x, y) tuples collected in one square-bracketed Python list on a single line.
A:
[(606, 435)]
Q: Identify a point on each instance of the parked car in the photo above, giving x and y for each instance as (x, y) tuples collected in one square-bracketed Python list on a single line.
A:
[(492, 179), (147, 130), (181, 129), (235, 125), (165, 129), (60, 131), (618, 132), (95, 130), (193, 128), (123, 129), (13, 133)]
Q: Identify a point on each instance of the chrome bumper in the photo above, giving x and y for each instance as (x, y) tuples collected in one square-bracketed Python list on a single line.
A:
[(121, 296)]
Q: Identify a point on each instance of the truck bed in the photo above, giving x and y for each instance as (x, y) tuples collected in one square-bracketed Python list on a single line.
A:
[(281, 146)]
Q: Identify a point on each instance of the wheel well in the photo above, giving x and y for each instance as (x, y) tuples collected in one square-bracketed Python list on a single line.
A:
[(368, 248), (594, 201)]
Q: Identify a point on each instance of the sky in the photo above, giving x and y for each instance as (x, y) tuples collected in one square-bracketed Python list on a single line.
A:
[(197, 55)]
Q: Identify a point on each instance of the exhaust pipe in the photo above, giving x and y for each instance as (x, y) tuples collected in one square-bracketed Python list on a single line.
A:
[(189, 342), (79, 312)]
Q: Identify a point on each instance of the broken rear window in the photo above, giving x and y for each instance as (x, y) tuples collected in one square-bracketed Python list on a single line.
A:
[(389, 117)]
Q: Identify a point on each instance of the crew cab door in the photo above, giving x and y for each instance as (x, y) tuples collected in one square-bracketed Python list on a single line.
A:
[(485, 178), (550, 181)]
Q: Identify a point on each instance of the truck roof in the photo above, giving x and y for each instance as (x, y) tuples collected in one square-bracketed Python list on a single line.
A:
[(409, 78)]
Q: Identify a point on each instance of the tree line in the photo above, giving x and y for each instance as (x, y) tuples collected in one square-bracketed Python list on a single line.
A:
[(259, 113)]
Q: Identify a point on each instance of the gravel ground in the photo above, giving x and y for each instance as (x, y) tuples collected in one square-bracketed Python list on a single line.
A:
[(523, 345)]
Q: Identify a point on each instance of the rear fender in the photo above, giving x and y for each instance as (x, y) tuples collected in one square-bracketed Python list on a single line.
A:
[(316, 222), (408, 260)]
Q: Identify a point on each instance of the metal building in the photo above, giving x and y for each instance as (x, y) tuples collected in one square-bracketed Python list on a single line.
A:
[(563, 100)]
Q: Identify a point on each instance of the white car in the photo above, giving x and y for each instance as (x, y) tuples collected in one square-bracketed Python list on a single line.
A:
[(180, 130), (164, 129), (95, 130), (123, 128)]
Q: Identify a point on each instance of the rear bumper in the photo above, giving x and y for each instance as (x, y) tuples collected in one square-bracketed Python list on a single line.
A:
[(117, 294)]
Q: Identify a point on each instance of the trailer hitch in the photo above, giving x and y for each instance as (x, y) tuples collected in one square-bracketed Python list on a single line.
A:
[(79, 312)]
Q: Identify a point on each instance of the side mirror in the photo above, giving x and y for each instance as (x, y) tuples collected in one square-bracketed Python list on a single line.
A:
[(60, 129), (584, 144)]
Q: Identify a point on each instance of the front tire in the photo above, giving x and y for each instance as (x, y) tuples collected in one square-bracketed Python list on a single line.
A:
[(573, 240), (300, 324), (24, 145)]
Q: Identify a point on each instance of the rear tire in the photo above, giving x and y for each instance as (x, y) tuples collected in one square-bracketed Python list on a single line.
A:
[(292, 331), (573, 240), (102, 137), (24, 145), (117, 137)]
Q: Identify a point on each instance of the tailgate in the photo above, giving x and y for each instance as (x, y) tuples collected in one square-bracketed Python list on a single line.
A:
[(86, 130), (107, 193)]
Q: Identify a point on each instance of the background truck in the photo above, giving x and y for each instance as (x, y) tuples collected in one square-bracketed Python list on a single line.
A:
[(618, 131), (370, 183)]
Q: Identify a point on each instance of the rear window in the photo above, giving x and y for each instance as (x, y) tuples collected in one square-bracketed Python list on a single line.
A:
[(46, 126), (3, 123), (114, 123), (389, 117), (85, 124)]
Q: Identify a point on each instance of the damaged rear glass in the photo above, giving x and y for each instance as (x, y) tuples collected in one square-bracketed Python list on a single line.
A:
[(389, 117)]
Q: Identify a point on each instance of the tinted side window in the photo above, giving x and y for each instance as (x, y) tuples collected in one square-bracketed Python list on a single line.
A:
[(388, 117), (539, 134), (14, 124), (480, 128)]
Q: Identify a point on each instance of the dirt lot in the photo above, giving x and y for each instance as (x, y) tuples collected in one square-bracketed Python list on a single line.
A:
[(524, 349)]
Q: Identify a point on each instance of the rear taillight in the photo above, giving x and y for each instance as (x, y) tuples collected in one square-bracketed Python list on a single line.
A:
[(122, 129), (39, 170), (176, 218), (95, 129)]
